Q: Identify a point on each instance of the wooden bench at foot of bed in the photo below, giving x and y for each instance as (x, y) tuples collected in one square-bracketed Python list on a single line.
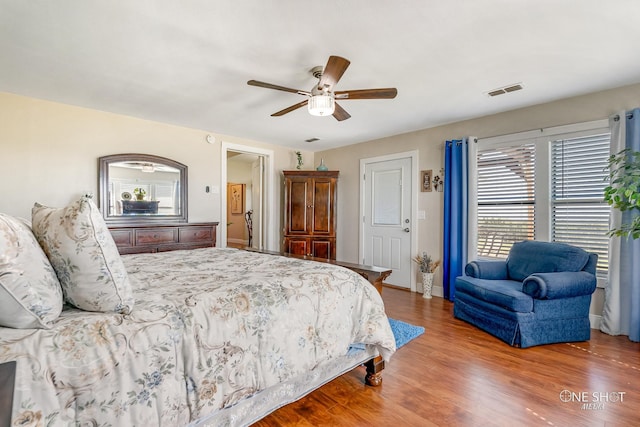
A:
[(375, 275)]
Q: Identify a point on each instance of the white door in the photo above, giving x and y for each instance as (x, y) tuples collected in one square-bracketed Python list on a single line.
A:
[(257, 202), (387, 218)]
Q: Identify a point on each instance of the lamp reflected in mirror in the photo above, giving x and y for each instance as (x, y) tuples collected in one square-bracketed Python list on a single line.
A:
[(148, 168)]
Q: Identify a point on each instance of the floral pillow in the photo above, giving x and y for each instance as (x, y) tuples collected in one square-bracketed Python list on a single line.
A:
[(84, 256), (30, 294)]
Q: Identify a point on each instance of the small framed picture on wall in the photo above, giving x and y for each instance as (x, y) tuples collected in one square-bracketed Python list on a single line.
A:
[(425, 180), (236, 197)]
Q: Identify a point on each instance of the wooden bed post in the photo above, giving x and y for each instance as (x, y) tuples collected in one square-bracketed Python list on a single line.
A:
[(375, 365), (374, 371)]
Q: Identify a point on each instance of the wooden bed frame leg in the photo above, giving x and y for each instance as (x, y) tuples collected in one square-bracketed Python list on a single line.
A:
[(374, 371)]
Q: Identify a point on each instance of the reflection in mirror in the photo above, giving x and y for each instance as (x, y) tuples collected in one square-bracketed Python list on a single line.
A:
[(140, 187)]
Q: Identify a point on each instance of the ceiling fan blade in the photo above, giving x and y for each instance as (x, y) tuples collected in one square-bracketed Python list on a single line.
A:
[(333, 71), (385, 93), (276, 87), (290, 109), (340, 114)]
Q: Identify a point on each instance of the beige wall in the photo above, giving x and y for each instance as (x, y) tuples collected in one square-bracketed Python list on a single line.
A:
[(49, 154), (429, 143)]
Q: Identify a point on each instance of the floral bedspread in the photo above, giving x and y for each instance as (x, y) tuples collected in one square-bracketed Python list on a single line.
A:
[(209, 328)]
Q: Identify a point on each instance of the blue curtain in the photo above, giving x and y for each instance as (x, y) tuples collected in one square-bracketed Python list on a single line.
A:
[(456, 169), (621, 312)]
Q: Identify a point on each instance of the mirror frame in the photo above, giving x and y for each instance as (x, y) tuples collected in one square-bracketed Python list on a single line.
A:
[(103, 176)]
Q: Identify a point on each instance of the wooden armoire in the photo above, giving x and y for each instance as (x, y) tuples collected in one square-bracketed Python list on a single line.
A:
[(310, 213)]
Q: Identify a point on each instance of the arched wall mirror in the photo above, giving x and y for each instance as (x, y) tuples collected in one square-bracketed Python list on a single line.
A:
[(141, 188)]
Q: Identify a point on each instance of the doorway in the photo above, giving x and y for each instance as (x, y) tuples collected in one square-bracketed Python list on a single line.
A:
[(388, 197), (246, 208)]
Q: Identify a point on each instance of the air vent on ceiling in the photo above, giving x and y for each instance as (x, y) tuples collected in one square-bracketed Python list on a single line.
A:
[(312, 139), (505, 89)]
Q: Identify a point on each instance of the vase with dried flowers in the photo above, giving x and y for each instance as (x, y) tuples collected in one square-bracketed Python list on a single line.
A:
[(427, 267), (299, 160)]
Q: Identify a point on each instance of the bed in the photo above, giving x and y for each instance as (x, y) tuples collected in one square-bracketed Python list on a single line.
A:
[(206, 337)]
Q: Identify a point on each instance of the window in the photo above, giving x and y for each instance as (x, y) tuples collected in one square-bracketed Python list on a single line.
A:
[(544, 185), (580, 216), (506, 198)]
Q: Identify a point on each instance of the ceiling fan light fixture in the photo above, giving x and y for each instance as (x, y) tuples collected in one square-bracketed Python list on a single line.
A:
[(321, 99), (321, 105)]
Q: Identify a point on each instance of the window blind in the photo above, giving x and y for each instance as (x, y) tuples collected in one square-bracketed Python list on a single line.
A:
[(506, 198), (580, 216)]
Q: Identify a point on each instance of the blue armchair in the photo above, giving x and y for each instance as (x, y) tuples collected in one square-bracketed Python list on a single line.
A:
[(539, 295)]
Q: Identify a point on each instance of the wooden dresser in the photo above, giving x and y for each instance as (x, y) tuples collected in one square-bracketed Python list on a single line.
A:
[(160, 238), (310, 199)]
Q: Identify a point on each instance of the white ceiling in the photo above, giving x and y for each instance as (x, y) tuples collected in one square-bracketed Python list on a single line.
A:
[(187, 62)]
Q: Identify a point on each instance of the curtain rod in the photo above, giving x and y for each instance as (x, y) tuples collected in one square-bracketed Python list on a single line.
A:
[(553, 129), (459, 141), (629, 115)]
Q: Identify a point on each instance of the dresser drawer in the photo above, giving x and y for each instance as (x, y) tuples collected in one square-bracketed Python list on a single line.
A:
[(161, 238), (156, 236), (123, 238), (196, 234)]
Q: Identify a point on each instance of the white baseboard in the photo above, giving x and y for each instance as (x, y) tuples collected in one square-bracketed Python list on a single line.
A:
[(437, 291), (595, 320), (238, 241)]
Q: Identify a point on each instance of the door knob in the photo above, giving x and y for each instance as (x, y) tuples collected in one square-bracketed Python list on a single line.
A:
[(406, 230)]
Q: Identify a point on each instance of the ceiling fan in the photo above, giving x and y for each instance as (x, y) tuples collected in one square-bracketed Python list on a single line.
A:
[(321, 99)]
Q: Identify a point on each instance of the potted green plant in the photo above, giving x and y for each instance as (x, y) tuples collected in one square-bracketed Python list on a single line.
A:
[(140, 193), (623, 191), (427, 267)]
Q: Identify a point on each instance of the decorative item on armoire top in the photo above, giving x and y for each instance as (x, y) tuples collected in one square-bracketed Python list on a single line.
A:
[(322, 166), (427, 267), (299, 159)]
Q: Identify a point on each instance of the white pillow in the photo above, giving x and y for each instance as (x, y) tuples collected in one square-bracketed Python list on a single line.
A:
[(30, 294), (84, 256)]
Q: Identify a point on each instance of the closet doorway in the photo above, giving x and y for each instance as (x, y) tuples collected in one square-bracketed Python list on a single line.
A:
[(246, 197)]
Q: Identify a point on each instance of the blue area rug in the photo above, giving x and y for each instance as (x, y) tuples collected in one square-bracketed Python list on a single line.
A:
[(404, 332)]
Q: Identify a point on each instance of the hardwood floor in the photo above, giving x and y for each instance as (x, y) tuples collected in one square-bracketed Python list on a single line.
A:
[(457, 375)]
